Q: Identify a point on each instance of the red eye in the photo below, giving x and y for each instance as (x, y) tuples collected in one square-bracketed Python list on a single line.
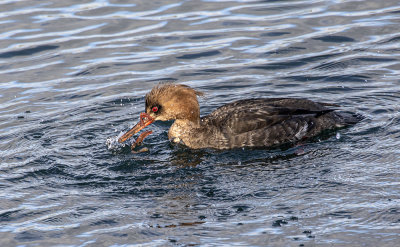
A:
[(155, 109)]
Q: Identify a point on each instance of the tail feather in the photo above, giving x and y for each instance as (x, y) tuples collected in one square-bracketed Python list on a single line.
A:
[(348, 118)]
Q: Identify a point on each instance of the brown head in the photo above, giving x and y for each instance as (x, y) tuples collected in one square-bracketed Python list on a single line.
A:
[(168, 102), (173, 101)]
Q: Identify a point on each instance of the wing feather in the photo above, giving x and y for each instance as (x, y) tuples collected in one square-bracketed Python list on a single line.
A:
[(249, 115)]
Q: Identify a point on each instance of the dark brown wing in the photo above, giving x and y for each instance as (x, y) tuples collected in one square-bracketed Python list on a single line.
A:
[(254, 114), (268, 122)]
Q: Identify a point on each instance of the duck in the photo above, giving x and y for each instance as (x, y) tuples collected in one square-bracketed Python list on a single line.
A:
[(246, 123)]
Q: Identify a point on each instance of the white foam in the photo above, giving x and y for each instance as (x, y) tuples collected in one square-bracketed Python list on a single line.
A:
[(112, 142)]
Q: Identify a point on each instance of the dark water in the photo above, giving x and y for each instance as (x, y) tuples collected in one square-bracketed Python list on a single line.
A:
[(74, 73)]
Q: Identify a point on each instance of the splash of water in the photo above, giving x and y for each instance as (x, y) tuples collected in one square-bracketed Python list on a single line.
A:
[(112, 142)]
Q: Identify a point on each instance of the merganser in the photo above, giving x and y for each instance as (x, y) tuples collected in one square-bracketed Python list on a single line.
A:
[(261, 122)]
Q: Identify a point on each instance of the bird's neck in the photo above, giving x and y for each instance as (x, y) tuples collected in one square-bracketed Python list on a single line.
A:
[(182, 129)]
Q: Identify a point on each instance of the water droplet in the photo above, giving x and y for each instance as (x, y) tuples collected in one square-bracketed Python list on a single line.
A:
[(120, 134), (338, 135)]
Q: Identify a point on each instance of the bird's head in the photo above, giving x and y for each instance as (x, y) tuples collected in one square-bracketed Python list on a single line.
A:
[(168, 102)]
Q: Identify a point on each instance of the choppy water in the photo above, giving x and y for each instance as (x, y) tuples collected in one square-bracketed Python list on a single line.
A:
[(74, 73)]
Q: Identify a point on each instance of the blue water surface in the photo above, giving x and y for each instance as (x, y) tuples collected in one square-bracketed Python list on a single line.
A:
[(73, 75)]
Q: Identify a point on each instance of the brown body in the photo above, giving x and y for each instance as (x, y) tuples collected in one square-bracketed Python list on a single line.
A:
[(263, 122)]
